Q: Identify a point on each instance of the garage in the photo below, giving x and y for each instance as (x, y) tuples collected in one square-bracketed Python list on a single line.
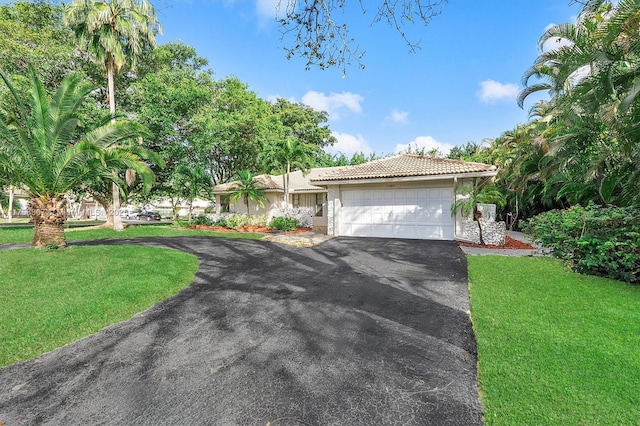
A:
[(422, 213), (401, 196)]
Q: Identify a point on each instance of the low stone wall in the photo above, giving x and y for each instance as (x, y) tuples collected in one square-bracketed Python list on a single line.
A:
[(493, 233)]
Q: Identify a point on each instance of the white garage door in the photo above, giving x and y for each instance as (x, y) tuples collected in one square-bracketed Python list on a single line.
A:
[(398, 213)]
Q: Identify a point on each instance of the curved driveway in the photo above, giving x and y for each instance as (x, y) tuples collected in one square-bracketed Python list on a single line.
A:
[(355, 331)]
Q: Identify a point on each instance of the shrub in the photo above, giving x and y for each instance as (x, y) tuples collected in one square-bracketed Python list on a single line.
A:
[(303, 214), (202, 220), (221, 222), (596, 240), (237, 221), (283, 223)]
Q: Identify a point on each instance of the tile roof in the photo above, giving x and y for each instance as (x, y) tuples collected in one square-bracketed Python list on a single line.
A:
[(297, 181), (404, 165)]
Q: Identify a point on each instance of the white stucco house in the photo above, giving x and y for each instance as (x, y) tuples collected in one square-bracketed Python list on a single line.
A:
[(401, 196)]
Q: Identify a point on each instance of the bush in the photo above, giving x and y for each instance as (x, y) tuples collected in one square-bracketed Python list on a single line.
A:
[(202, 220), (284, 223), (221, 222), (603, 241), (237, 221)]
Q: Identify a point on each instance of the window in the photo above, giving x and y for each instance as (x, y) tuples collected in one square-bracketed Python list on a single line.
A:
[(321, 198), (296, 200)]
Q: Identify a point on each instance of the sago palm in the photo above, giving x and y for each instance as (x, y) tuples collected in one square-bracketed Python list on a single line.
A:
[(42, 152)]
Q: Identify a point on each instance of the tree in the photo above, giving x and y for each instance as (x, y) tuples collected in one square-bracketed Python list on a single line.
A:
[(325, 42), (115, 33), (226, 134), (286, 155), (194, 181), (173, 85), (478, 192), (42, 151), (248, 188)]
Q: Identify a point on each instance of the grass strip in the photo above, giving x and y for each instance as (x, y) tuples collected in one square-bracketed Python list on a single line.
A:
[(25, 235), (554, 347), (53, 297)]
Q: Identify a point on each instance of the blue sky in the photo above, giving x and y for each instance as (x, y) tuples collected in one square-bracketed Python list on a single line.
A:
[(460, 86)]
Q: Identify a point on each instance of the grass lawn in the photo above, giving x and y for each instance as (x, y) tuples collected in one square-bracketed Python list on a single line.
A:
[(53, 297), (24, 235), (554, 347)]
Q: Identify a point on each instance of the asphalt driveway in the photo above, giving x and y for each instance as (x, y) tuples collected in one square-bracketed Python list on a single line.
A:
[(355, 331)]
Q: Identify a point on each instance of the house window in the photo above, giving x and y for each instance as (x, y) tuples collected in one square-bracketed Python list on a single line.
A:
[(224, 204), (296, 200), (321, 198)]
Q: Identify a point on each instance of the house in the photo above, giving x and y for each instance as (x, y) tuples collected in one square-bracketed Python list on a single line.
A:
[(302, 194), (401, 196)]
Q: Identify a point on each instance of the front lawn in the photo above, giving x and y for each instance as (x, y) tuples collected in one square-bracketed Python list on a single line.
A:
[(554, 347), (24, 235), (53, 297)]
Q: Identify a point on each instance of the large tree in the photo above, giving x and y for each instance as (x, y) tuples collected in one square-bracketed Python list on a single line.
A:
[(320, 36), (115, 33), (43, 152), (227, 133)]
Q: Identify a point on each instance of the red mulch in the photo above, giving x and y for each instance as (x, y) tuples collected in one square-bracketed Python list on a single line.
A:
[(258, 229), (510, 243)]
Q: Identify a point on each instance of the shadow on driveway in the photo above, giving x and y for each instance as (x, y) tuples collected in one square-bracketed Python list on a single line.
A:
[(351, 332)]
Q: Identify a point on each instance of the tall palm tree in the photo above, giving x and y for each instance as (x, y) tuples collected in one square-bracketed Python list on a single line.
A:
[(194, 181), (43, 152), (285, 156), (248, 188), (115, 33)]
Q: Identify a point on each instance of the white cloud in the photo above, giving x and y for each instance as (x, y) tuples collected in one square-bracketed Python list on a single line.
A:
[(274, 98), (267, 9), (398, 117), (267, 12), (427, 143), (492, 91), (334, 103), (349, 144)]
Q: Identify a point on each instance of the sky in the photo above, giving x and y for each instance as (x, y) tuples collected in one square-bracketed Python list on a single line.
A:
[(460, 86)]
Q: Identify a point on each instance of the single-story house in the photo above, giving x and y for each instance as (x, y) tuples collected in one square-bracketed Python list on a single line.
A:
[(401, 196), (302, 194)]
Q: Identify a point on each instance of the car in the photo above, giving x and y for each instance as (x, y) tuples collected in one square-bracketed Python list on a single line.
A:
[(148, 216)]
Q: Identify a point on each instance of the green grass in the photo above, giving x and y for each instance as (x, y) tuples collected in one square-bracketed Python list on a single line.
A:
[(24, 235), (554, 347), (53, 297)]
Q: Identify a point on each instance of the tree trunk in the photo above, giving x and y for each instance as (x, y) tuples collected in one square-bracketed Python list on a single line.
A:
[(476, 216), (10, 207), (48, 216), (116, 219)]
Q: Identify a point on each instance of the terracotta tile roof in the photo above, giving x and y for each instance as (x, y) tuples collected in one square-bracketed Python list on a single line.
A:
[(404, 165), (297, 181), (267, 181)]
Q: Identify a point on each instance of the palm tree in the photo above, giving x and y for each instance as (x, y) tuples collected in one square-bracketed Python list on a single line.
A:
[(194, 181), (286, 155), (248, 188), (115, 33), (44, 154), (471, 196)]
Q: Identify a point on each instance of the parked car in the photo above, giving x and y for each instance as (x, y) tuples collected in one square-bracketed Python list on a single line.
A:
[(148, 216)]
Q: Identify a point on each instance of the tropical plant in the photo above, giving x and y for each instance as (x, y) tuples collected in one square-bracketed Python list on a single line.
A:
[(115, 33), (43, 153), (286, 155), (470, 196), (194, 181), (248, 188)]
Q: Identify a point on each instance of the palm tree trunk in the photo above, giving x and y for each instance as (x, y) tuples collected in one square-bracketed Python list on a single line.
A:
[(48, 216), (10, 207), (480, 232), (115, 191)]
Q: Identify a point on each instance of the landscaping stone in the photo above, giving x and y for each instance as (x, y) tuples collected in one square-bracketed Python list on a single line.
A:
[(493, 233)]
